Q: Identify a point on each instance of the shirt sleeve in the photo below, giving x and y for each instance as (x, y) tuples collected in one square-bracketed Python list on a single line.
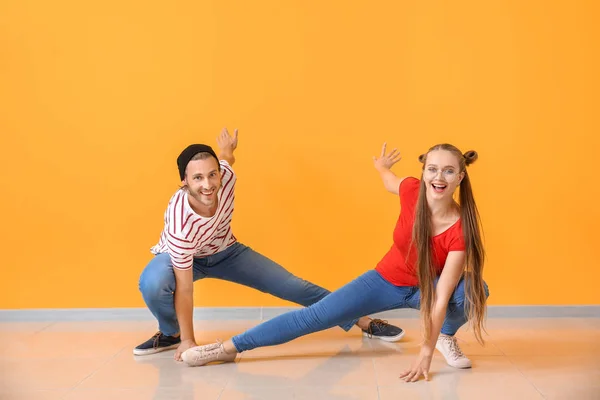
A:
[(227, 169), (228, 177), (180, 246), (457, 242), (409, 191), (181, 252)]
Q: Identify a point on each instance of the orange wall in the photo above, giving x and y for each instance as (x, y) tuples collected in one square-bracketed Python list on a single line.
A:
[(97, 100)]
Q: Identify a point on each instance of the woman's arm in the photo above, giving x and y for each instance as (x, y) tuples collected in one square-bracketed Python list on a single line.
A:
[(453, 269), (383, 164)]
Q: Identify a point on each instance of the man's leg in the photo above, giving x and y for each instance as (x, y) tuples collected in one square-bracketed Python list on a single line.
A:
[(250, 268), (157, 285)]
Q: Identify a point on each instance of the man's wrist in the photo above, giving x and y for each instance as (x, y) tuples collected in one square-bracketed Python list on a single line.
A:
[(226, 154)]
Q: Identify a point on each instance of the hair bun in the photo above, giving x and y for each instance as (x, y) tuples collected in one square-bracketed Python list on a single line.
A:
[(422, 158), (470, 157)]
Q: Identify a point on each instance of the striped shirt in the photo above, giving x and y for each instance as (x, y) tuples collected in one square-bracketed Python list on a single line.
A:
[(187, 235)]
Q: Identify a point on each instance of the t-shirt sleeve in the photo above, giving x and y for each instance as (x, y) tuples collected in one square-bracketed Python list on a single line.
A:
[(457, 241), (227, 168), (181, 252), (179, 244), (409, 191), (228, 175)]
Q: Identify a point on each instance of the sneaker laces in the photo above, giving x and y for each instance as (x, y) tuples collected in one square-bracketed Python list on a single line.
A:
[(379, 323), (209, 350), (156, 340), (455, 351)]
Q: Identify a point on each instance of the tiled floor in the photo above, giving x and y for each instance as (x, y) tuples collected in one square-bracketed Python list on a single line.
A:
[(523, 359)]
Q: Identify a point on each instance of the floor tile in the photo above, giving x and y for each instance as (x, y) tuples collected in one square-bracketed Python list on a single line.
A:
[(23, 327), (186, 392), (32, 394), (561, 377), (46, 373), (489, 375), (127, 371), (300, 393)]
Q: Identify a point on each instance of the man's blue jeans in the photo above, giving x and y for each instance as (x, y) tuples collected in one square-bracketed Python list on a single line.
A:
[(238, 263)]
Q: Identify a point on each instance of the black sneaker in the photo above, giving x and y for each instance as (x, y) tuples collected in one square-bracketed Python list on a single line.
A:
[(156, 344), (382, 330)]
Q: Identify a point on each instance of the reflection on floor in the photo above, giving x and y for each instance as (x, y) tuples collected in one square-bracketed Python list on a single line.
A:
[(523, 359)]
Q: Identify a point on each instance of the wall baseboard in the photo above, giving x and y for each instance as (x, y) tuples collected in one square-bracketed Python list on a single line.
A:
[(264, 313)]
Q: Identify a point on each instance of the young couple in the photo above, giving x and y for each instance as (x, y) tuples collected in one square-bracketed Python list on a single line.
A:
[(434, 265)]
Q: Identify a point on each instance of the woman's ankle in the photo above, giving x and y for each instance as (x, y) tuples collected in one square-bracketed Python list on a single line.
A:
[(229, 347)]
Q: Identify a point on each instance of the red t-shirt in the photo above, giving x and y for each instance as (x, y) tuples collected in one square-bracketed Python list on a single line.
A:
[(397, 266)]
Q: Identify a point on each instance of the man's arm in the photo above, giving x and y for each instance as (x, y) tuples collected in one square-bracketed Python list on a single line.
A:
[(184, 309), (227, 145), (184, 302), (182, 259)]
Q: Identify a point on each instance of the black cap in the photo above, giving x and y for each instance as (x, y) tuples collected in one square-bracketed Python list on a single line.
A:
[(189, 153)]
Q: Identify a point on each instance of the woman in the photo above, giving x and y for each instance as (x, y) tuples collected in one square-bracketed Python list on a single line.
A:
[(434, 265)]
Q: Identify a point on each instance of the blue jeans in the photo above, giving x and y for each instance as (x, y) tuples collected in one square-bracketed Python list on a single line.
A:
[(367, 294), (239, 264)]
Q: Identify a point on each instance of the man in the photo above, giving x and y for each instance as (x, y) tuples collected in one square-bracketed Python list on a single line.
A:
[(197, 242)]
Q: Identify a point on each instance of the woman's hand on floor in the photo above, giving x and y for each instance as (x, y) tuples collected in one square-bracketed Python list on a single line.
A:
[(420, 367)]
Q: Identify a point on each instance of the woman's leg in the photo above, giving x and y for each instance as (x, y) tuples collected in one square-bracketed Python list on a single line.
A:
[(243, 265), (456, 313), (369, 293), (456, 316)]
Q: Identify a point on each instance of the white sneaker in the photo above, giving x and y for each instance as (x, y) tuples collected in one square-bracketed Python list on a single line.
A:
[(201, 355), (448, 346)]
